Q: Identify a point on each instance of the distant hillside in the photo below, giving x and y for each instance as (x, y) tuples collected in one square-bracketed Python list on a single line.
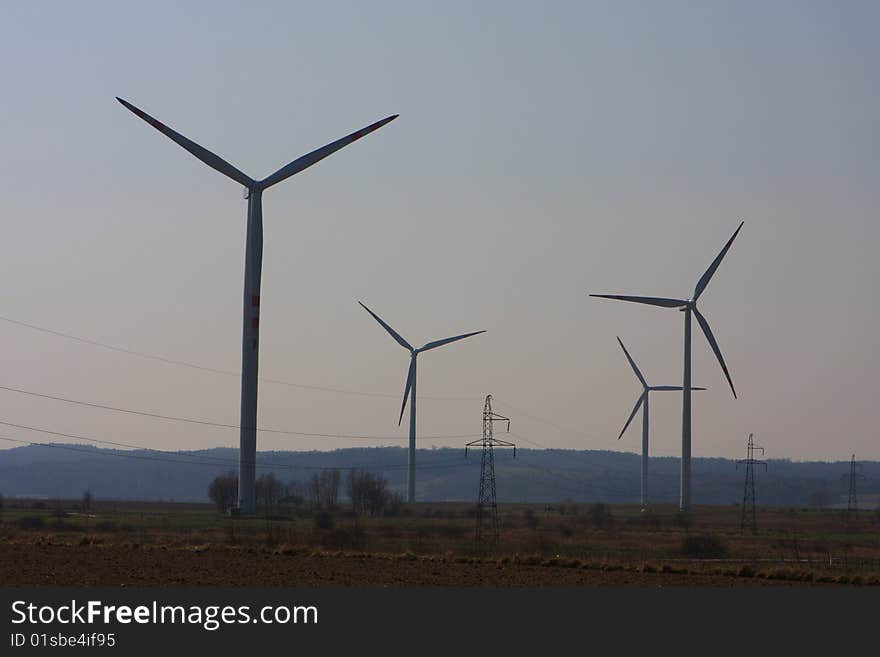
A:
[(443, 474)]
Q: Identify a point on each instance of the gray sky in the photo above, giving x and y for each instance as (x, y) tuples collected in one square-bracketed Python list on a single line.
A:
[(544, 150)]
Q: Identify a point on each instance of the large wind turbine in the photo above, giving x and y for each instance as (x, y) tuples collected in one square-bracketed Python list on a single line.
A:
[(688, 306), (411, 385), (252, 271), (643, 402)]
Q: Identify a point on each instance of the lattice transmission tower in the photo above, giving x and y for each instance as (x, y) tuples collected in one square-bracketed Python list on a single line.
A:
[(487, 507), (749, 509), (852, 503)]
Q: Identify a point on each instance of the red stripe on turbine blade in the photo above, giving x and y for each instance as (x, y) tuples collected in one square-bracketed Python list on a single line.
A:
[(158, 125), (255, 300), (255, 323)]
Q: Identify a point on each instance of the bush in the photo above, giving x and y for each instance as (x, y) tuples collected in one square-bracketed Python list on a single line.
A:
[(704, 546), (538, 543), (647, 519), (746, 570), (353, 538), (324, 520), (453, 532), (600, 516), (223, 491), (30, 522), (683, 519), (530, 560), (567, 507)]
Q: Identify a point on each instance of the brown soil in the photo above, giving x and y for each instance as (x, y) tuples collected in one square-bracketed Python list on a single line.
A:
[(55, 563)]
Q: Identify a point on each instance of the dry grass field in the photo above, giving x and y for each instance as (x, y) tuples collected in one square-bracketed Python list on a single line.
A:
[(432, 544)]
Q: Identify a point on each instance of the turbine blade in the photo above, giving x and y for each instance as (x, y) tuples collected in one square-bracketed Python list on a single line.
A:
[(315, 156), (206, 156), (633, 414), (440, 343), (673, 388), (394, 334), (633, 364), (409, 381), (652, 301), (704, 280), (714, 344)]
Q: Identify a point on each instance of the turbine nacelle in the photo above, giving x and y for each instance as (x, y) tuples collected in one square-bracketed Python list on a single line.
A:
[(411, 374), (690, 305), (643, 398)]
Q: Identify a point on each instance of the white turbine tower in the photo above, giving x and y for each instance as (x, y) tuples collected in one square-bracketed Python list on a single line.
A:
[(688, 306), (411, 385), (252, 271), (642, 402)]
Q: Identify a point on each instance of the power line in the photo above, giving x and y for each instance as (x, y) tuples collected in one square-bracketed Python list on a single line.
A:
[(217, 462), (558, 450), (222, 425), (214, 370), (558, 427), (203, 460), (115, 454)]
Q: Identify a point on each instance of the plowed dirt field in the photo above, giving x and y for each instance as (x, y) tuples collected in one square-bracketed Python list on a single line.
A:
[(62, 564)]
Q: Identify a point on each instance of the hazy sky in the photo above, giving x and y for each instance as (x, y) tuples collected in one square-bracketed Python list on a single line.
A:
[(543, 151)]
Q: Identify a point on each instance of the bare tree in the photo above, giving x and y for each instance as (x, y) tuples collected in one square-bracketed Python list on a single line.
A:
[(223, 490), (323, 489), (313, 491), (369, 493), (269, 490), (293, 494), (330, 480), (820, 498)]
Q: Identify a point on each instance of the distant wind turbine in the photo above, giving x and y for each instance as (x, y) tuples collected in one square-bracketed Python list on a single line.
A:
[(643, 402), (252, 271), (688, 306), (411, 385)]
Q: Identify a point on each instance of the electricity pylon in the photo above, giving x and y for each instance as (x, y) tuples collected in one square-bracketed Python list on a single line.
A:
[(749, 512), (487, 507), (852, 503)]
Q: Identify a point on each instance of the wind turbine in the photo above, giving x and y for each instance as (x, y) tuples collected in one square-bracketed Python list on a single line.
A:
[(643, 402), (411, 385), (688, 306), (252, 270)]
